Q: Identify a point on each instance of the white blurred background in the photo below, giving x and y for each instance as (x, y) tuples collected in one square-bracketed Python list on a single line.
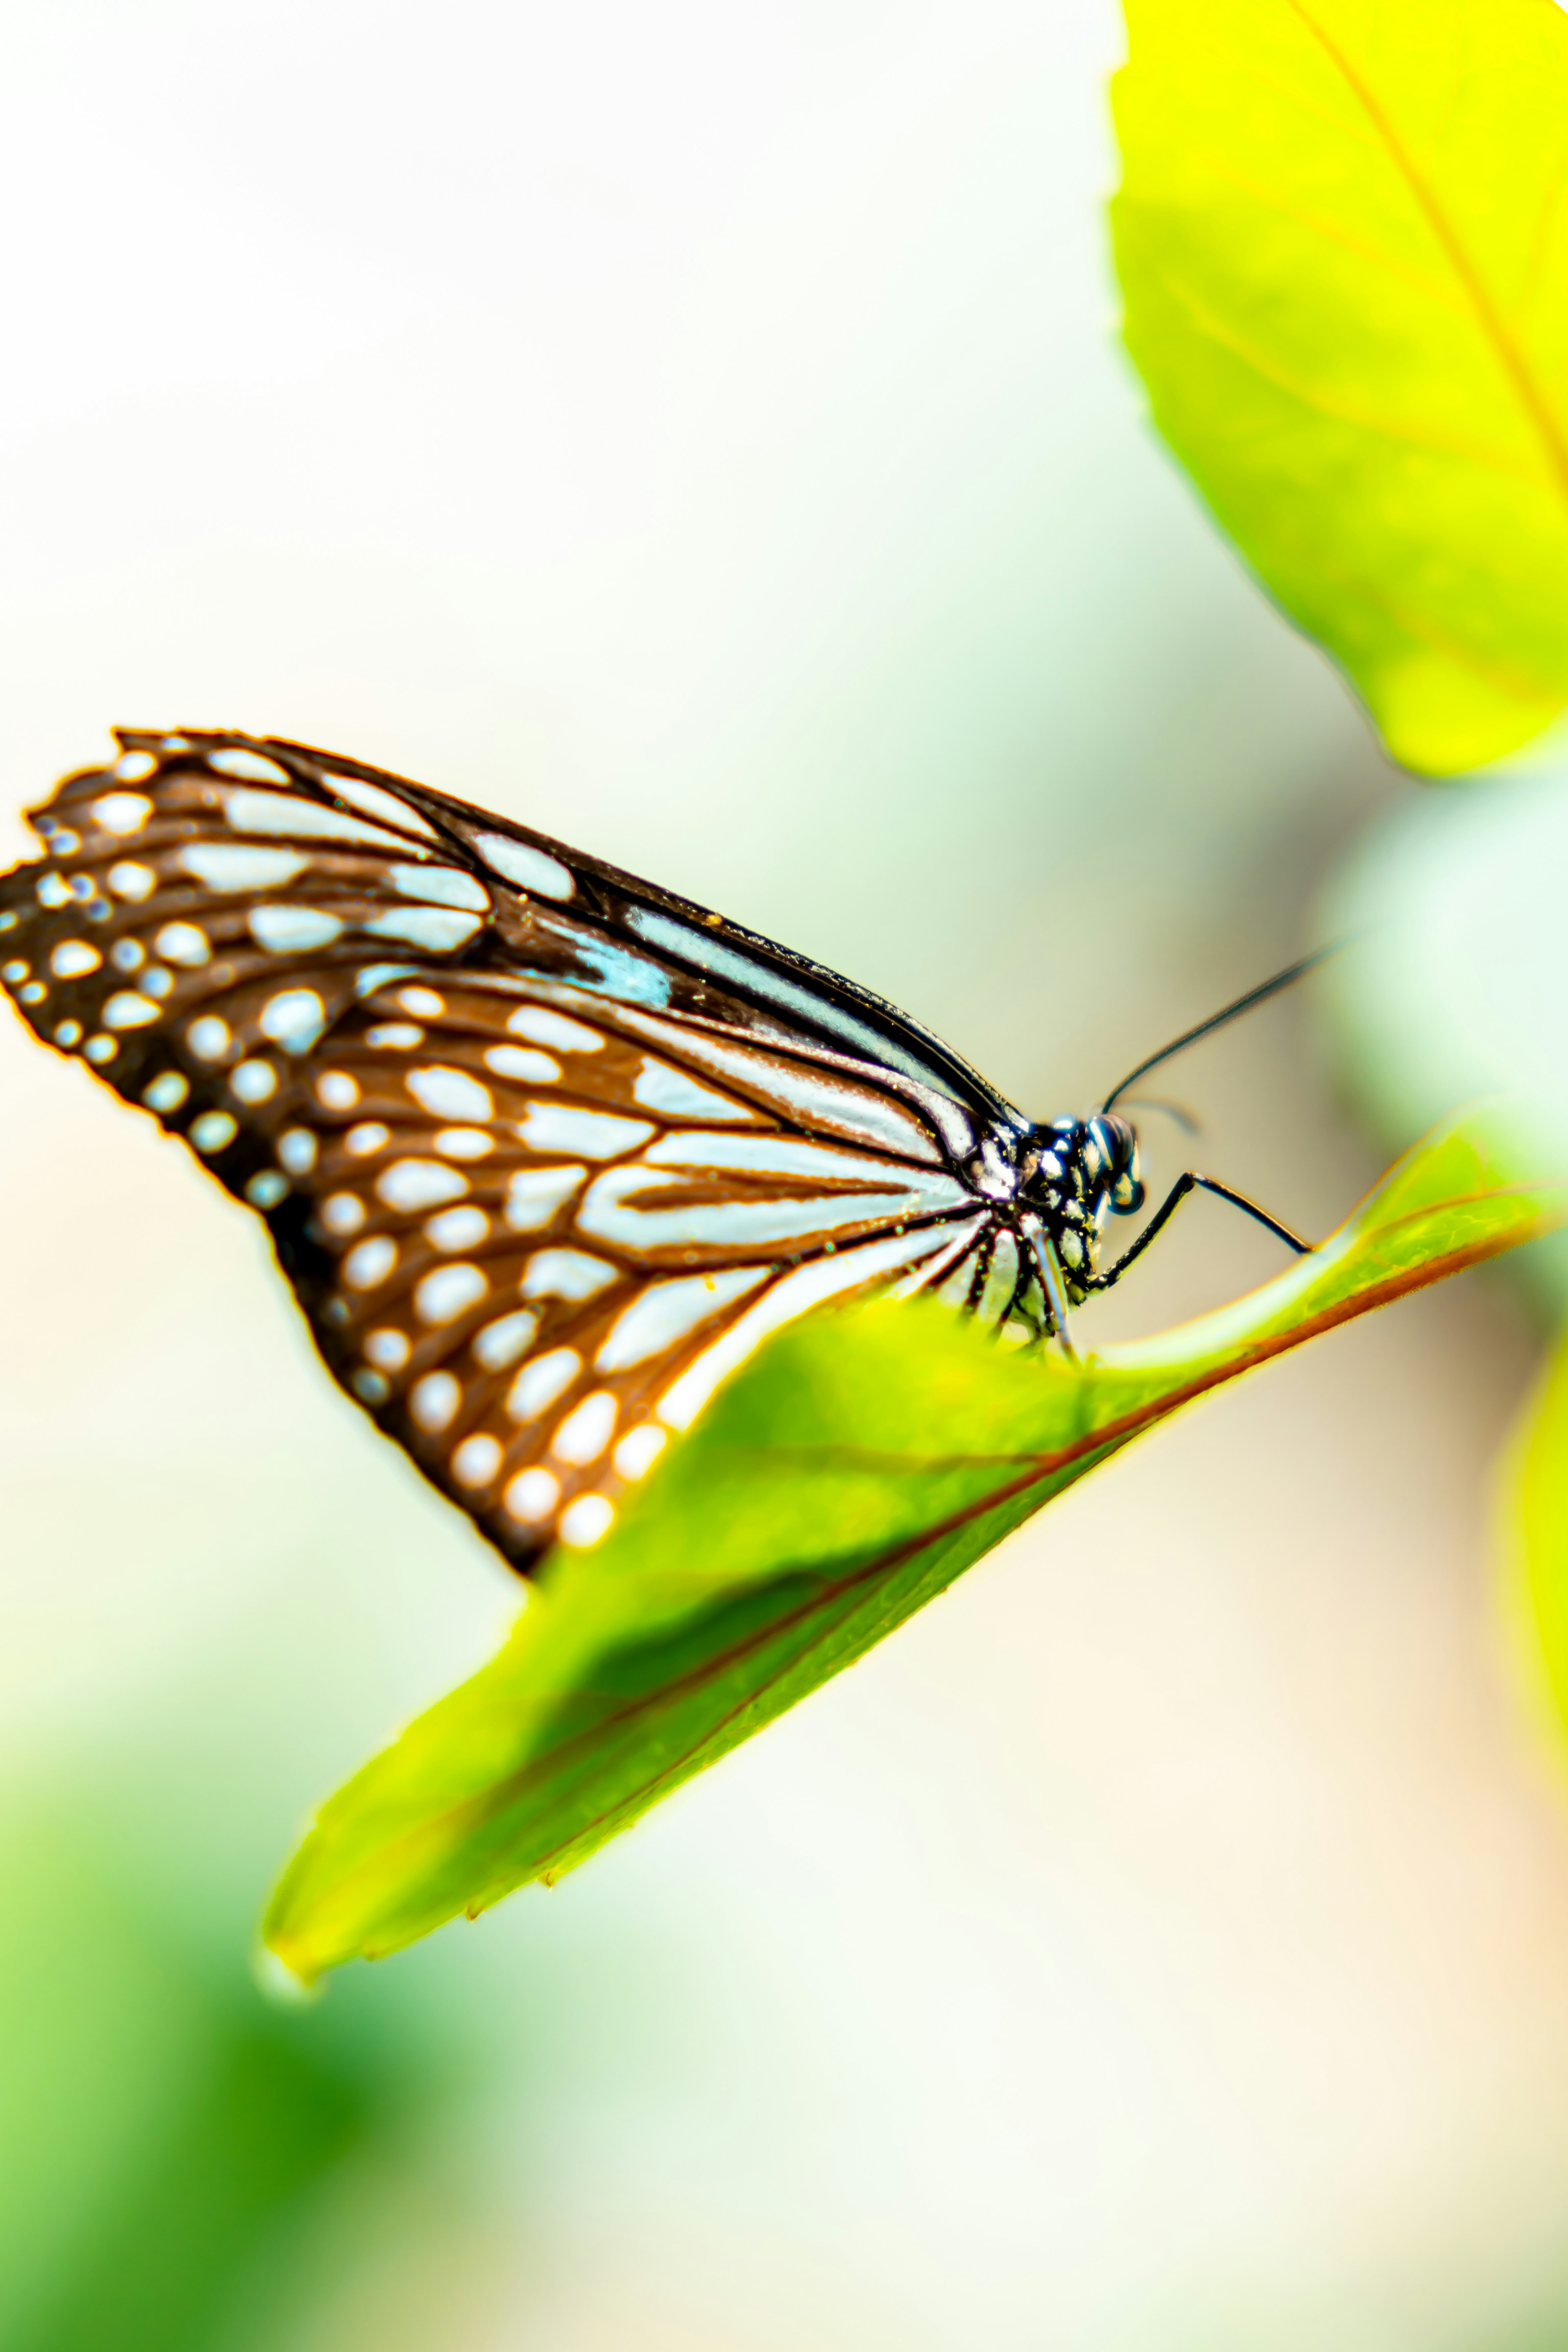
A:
[(700, 431)]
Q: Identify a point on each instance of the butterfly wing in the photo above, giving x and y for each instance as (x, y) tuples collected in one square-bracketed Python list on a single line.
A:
[(543, 1151)]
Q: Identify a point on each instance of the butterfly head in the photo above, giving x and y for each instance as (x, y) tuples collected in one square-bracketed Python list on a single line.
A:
[(1112, 1143), (1085, 1171)]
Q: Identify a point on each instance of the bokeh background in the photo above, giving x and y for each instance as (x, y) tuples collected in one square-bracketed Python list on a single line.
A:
[(700, 431)]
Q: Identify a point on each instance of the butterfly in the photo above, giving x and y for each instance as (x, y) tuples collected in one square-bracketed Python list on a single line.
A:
[(544, 1150)]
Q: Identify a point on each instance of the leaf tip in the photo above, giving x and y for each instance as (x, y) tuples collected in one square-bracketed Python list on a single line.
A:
[(291, 1982)]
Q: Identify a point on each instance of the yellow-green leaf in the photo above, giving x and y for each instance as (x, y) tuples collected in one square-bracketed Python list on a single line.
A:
[(1342, 241), (852, 1471), (1536, 1501)]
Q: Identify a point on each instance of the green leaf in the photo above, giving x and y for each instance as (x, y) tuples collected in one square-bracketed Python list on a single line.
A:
[(850, 1473), (1536, 1501), (1343, 245)]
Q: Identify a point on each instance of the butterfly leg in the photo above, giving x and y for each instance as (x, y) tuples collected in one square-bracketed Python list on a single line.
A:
[(1191, 1181), (1053, 1281)]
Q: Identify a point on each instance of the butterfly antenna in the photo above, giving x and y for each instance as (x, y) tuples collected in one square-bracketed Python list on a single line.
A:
[(1188, 1121), (1266, 989)]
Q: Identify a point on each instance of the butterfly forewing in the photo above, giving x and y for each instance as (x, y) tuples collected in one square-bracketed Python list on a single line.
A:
[(540, 1173)]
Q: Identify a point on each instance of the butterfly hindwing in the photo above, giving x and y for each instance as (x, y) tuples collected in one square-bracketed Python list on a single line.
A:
[(537, 1176)]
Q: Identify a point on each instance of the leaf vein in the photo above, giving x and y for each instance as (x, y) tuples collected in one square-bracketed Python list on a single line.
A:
[(1490, 317)]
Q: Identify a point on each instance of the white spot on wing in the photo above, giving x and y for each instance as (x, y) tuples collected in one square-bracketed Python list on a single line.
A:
[(520, 1061), (395, 1037), (565, 1274), (167, 1092), (293, 1019), (296, 1151), (133, 767), (786, 1155), (597, 1134), (1001, 1279), (367, 1139), (343, 1213), (127, 1009), (284, 930), (665, 1311), (440, 885), (388, 1348), (371, 801), (610, 1214), (231, 865), (501, 1343), (336, 1090), (423, 1003), (121, 812), (450, 1094), (476, 1461), (464, 1142), (413, 1184), (208, 1038), (586, 1430), (451, 1230), (535, 1195), (639, 1449), (955, 1290), (291, 813), (253, 1082), (664, 1088), (529, 869), (532, 1496), (539, 1384), (960, 1241), (183, 943), (432, 928), (251, 766), (214, 1131), (547, 1028), (266, 1189), (587, 1521), (369, 1262), (433, 1401), (73, 959)]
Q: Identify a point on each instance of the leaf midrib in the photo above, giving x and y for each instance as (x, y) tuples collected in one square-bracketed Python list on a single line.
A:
[(1508, 354)]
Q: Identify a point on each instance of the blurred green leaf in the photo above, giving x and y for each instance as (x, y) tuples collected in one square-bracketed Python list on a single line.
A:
[(170, 2141), (850, 1473), (1536, 1499), (1344, 248)]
